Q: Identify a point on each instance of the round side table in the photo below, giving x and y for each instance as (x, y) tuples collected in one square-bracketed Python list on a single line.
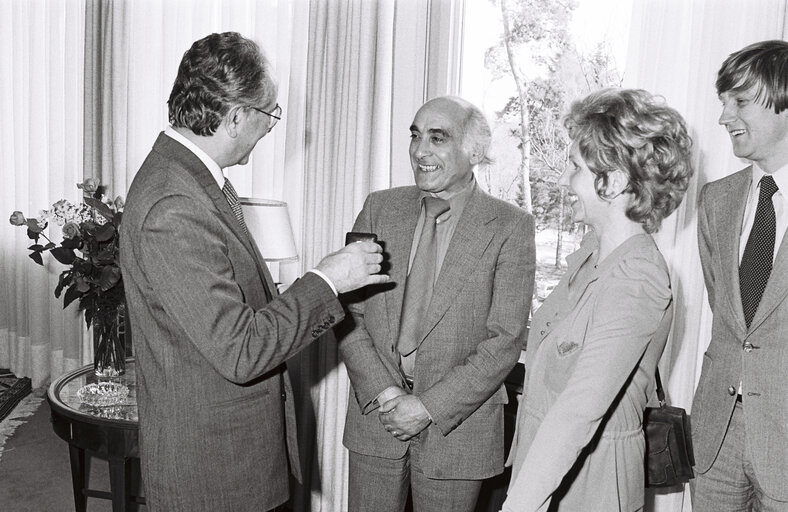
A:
[(107, 432)]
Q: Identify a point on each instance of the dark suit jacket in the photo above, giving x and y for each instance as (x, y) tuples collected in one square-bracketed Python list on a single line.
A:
[(758, 356), (211, 338), (476, 325)]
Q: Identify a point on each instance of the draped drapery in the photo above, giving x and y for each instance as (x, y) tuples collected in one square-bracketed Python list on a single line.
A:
[(345, 141), (41, 48), (675, 49)]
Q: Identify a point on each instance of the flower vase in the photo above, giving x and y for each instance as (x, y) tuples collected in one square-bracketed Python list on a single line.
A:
[(109, 344)]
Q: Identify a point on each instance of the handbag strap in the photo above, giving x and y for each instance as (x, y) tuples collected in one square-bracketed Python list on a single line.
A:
[(660, 391)]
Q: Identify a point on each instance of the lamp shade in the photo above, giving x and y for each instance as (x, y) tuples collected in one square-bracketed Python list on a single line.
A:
[(269, 224)]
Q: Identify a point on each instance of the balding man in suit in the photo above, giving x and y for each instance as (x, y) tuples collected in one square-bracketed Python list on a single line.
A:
[(427, 357), (740, 410)]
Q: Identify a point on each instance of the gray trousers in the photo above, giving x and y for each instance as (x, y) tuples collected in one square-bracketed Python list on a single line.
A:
[(376, 484), (730, 485)]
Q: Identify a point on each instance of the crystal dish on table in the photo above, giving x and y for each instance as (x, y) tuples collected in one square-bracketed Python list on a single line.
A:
[(102, 394)]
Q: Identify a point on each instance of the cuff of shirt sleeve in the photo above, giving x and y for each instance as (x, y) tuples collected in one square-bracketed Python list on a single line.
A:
[(326, 279)]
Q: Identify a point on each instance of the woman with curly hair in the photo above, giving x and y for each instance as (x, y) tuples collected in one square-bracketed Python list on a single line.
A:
[(594, 344)]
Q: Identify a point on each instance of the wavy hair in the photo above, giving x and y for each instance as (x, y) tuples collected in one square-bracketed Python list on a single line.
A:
[(217, 73), (762, 66), (635, 132)]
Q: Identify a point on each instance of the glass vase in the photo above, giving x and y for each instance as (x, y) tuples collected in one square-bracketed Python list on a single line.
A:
[(109, 346)]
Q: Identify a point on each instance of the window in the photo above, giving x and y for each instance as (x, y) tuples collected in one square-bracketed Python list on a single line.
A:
[(524, 74)]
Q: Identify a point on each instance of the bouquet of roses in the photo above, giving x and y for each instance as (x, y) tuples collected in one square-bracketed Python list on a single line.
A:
[(89, 249)]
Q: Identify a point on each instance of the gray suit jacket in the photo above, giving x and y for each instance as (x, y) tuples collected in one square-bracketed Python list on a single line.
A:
[(476, 325), (761, 368), (211, 338)]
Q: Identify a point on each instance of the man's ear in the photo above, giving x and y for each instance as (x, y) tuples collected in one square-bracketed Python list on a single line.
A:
[(232, 120), (476, 156)]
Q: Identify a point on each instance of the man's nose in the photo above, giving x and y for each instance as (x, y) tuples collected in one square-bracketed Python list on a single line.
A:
[(423, 148), (727, 115)]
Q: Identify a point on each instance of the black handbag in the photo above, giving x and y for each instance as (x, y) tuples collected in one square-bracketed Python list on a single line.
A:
[(669, 455)]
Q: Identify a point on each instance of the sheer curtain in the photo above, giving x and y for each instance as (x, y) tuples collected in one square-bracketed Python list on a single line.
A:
[(41, 73), (133, 50), (675, 49), (344, 142)]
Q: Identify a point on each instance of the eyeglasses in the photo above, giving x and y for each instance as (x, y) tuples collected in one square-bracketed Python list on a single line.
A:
[(276, 115)]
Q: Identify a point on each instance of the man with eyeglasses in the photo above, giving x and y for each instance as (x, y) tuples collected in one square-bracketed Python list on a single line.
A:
[(211, 333)]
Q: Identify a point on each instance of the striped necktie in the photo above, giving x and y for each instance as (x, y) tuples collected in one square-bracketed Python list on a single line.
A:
[(235, 204)]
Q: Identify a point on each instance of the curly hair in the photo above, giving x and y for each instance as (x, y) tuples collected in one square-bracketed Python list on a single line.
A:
[(763, 66), (217, 73), (635, 132)]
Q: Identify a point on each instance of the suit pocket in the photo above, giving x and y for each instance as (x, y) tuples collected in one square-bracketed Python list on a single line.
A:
[(499, 397), (561, 363), (705, 373)]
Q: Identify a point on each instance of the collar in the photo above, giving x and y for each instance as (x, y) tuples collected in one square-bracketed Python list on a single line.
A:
[(780, 177), (457, 202), (212, 166)]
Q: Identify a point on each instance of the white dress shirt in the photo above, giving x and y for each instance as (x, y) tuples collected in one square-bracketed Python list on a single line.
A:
[(779, 199)]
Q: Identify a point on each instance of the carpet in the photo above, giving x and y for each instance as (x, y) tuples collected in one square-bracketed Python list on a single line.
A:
[(35, 474), (12, 391), (19, 415)]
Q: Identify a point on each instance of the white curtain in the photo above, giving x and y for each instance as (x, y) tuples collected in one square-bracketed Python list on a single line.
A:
[(136, 47), (675, 49), (41, 75)]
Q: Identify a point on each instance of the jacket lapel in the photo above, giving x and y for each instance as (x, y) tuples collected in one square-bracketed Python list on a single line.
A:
[(471, 237), (729, 214), (401, 232), (776, 287), (203, 176)]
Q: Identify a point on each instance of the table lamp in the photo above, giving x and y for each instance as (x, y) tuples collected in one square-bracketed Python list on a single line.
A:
[(269, 224)]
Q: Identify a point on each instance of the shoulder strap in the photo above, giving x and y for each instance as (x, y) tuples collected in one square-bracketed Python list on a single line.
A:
[(660, 392)]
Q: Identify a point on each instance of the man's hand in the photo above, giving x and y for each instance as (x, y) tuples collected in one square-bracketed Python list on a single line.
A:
[(390, 393), (404, 416), (354, 266)]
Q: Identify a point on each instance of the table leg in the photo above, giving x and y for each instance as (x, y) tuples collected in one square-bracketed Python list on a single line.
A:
[(77, 457), (117, 483)]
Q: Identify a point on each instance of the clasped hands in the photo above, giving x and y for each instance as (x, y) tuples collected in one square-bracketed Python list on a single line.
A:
[(402, 414)]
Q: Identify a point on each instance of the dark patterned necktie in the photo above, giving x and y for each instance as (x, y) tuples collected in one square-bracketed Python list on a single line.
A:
[(235, 204), (756, 263), (421, 279)]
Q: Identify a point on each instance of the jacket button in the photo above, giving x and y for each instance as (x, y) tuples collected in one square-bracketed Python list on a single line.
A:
[(541, 332), (315, 333), (548, 324), (747, 347), (731, 391)]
